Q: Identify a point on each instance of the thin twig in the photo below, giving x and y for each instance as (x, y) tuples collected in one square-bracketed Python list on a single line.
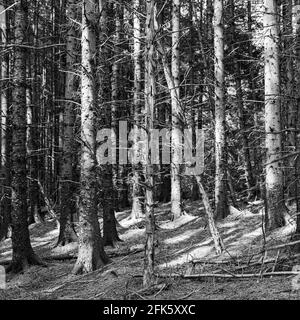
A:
[(188, 295)]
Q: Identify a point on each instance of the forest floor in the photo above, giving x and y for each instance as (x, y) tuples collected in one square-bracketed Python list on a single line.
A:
[(179, 243)]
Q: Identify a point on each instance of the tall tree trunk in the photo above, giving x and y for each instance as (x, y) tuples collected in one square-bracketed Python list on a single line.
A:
[(176, 208), (23, 254), (110, 234), (91, 255), (150, 92), (208, 62), (254, 96), (274, 176), (4, 75), (297, 142), (115, 83), (240, 103), (5, 204), (289, 105), (34, 192), (221, 205), (30, 124), (58, 91), (137, 209), (67, 200), (190, 92)]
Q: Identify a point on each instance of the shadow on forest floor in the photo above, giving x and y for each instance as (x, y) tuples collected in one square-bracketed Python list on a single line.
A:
[(179, 243)]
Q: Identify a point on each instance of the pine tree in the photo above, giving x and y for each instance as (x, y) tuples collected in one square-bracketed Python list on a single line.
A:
[(176, 205), (275, 206), (67, 201), (23, 254), (150, 95), (221, 210), (91, 255)]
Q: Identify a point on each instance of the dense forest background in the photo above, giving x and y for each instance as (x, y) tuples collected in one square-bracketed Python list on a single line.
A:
[(69, 69)]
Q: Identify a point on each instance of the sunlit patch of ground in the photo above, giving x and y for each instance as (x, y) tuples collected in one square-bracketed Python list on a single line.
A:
[(186, 218), (178, 243), (182, 237)]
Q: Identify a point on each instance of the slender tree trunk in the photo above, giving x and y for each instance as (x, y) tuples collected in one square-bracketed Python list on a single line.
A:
[(221, 205), (5, 204), (67, 200), (176, 208), (29, 150), (137, 210), (115, 104), (34, 193), (289, 105), (191, 94), (297, 142), (240, 103), (150, 92), (254, 96), (110, 234), (23, 254), (274, 176), (91, 255), (57, 87), (209, 66), (4, 75)]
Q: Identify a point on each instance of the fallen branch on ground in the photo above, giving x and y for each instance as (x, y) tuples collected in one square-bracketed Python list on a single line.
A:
[(289, 244), (211, 262), (244, 266), (257, 263), (281, 246), (230, 276)]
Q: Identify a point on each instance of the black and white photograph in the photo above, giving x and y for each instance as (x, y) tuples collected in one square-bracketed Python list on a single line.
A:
[(149, 154)]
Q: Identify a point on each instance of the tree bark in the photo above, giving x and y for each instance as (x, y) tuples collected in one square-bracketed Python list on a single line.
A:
[(289, 105), (23, 254), (91, 254), (137, 209), (274, 175), (67, 202), (5, 204), (108, 198), (240, 103), (297, 138), (150, 92), (176, 138), (221, 204)]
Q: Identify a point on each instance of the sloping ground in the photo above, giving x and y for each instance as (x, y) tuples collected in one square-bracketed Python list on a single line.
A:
[(178, 243)]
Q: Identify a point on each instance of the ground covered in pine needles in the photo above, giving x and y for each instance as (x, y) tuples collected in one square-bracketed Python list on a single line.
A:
[(255, 265)]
